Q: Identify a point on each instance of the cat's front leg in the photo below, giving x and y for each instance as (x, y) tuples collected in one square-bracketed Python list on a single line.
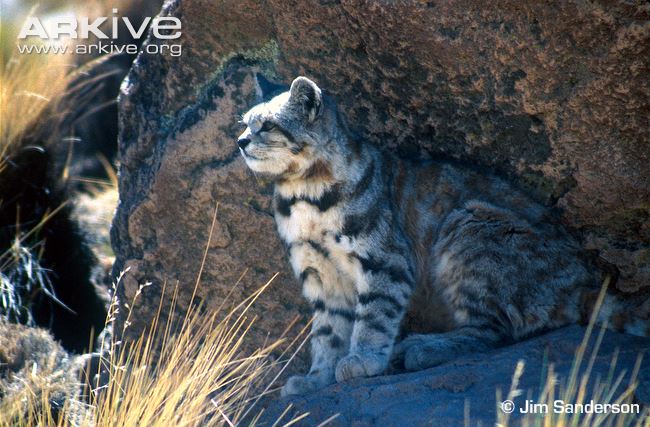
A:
[(332, 300), (330, 337), (384, 291)]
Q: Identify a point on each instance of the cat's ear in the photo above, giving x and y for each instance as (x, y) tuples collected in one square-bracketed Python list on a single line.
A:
[(266, 89), (307, 95)]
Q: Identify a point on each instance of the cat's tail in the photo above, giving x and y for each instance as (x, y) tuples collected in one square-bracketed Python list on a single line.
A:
[(621, 312)]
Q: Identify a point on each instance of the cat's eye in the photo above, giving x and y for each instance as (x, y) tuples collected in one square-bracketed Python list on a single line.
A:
[(267, 126)]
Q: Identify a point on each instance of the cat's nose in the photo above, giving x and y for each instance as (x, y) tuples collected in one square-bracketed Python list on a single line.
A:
[(243, 142)]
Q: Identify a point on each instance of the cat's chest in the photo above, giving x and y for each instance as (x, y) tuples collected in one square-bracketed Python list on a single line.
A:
[(322, 231), (304, 221)]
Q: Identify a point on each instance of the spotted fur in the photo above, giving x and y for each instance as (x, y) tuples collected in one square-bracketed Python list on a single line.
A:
[(370, 235)]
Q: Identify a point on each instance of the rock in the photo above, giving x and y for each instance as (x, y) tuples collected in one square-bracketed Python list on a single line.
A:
[(35, 368), (438, 395), (160, 234), (553, 96), (97, 131)]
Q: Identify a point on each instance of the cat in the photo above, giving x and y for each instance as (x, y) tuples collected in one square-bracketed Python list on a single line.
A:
[(370, 235)]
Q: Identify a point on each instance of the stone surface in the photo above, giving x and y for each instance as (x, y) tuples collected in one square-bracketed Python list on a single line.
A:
[(191, 173), (438, 396), (554, 96), (33, 363)]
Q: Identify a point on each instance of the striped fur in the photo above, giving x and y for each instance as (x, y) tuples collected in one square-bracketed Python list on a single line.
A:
[(370, 236)]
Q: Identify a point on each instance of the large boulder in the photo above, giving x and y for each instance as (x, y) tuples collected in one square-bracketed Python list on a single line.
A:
[(173, 181), (552, 95)]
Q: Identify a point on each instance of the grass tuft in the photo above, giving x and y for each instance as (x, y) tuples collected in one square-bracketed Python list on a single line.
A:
[(188, 372), (31, 86), (38, 93), (184, 370), (22, 279)]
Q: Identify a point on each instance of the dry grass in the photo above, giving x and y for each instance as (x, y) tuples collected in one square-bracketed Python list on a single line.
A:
[(574, 389), (182, 371), (37, 92), (34, 85), (191, 374), (31, 88), (31, 85), (197, 377), (22, 278)]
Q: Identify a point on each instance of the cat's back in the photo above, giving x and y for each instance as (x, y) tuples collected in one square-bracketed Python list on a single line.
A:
[(427, 191)]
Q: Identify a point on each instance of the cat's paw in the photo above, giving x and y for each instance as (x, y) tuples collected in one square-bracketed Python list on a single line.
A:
[(360, 365), (400, 349), (302, 384), (419, 352), (419, 358)]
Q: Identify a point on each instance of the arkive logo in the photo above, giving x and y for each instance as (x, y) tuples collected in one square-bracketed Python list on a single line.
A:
[(67, 27)]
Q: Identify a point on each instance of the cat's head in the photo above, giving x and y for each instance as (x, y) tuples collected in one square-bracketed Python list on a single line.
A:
[(287, 135)]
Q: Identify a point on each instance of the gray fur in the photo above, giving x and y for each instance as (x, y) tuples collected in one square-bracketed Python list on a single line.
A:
[(371, 236)]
